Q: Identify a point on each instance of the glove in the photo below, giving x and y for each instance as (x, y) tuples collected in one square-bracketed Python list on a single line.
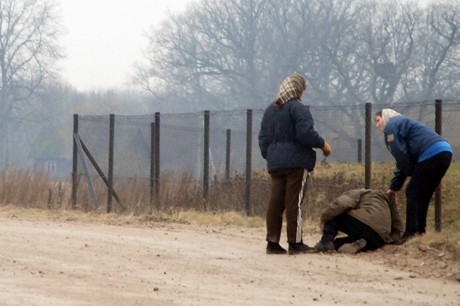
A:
[(326, 149)]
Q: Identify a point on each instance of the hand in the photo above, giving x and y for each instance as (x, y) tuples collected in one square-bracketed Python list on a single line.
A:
[(391, 193), (326, 149)]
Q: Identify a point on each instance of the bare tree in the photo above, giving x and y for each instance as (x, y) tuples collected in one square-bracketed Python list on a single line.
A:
[(390, 42), (234, 53), (211, 54), (28, 49), (336, 71), (435, 69)]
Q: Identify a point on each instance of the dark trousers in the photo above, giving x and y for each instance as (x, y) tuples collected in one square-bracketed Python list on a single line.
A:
[(354, 229), (425, 179), (287, 192)]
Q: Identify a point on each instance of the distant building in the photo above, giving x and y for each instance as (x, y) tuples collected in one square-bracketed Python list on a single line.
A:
[(58, 168)]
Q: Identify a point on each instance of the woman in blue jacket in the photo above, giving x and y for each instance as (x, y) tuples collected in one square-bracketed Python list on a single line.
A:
[(421, 154), (286, 140)]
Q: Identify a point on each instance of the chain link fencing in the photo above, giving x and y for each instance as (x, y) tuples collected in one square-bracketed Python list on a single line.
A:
[(182, 166)]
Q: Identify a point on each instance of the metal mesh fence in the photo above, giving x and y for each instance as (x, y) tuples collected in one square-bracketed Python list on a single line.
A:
[(182, 148)]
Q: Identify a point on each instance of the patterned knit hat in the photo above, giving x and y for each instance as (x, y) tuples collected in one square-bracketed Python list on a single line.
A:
[(292, 87)]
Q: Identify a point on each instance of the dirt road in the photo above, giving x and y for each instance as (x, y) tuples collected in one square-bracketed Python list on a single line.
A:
[(45, 262)]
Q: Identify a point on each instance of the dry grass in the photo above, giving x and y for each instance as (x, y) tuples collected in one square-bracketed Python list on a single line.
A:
[(33, 189), (181, 199)]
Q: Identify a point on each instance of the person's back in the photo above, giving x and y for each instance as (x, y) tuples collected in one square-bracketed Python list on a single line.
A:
[(374, 209), (407, 139), (287, 137), (369, 217)]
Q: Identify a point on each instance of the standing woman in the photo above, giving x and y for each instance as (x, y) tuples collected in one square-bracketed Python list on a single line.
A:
[(421, 154), (286, 140)]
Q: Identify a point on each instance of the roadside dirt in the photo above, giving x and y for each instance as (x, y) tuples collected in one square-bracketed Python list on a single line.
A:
[(71, 262)]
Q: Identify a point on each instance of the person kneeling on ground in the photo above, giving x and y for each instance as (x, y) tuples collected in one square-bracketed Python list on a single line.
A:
[(368, 217)]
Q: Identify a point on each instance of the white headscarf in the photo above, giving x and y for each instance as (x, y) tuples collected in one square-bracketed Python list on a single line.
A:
[(387, 114)]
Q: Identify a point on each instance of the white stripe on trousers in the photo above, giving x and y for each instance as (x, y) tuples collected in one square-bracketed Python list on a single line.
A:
[(298, 237)]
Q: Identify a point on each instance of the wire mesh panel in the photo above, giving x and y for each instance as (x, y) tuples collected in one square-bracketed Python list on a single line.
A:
[(451, 124), (94, 133), (341, 127), (181, 143), (182, 149), (132, 146), (236, 122)]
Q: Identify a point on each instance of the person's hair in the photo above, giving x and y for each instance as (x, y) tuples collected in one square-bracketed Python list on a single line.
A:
[(378, 113), (278, 104)]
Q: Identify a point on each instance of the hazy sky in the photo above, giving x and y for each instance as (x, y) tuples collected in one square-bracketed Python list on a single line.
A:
[(104, 38)]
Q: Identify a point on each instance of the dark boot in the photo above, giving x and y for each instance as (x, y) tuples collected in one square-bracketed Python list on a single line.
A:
[(275, 248), (404, 238), (300, 248)]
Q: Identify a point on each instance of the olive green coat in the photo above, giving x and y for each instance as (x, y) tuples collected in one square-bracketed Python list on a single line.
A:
[(374, 208)]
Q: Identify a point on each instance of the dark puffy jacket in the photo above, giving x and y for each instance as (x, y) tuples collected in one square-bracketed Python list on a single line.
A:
[(287, 137), (407, 139)]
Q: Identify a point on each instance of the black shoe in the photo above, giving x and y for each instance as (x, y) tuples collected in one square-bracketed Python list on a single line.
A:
[(300, 248), (324, 247), (275, 248), (404, 238)]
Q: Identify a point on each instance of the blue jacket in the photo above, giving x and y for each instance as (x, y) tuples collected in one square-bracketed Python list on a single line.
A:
[(407, 139), (287, 137)]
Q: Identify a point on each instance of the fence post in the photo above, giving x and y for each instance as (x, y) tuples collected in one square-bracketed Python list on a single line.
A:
[(248, 203), (74, 162), (367, 155), (152, 164), (438, 191), (360, 150), (110, 170), (206, 156), (227, 154), (157, 160)]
